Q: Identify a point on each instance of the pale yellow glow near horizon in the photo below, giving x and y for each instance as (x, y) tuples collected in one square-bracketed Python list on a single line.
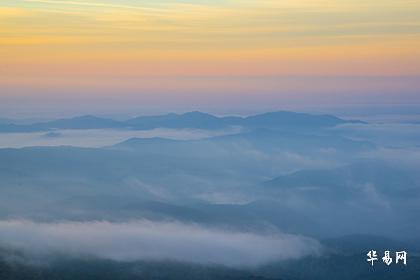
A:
[(48, 41)]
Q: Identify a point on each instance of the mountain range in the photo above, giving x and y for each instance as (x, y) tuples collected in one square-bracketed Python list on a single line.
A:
[(190, 120)]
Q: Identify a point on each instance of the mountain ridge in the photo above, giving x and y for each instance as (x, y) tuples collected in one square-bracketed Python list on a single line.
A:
[(188, 120)]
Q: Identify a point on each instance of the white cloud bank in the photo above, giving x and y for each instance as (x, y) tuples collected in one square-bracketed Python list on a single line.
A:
[(147, 240)]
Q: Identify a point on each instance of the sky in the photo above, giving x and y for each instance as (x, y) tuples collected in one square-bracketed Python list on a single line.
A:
[(60, 57)]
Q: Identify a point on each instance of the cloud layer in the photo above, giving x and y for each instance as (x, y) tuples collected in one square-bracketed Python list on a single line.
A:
[(148, 240), (102, 137)]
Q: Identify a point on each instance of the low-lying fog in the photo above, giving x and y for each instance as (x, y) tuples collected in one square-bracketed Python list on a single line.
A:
[(93, 138)]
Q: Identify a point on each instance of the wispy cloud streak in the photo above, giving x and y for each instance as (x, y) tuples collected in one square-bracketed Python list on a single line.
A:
[(97, 4)]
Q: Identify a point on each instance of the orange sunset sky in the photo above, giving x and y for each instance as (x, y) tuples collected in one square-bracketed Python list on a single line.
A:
[(237, 56)]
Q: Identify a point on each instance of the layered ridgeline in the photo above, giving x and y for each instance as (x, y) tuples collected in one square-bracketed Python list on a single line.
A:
[(197, 120), (288, 196)]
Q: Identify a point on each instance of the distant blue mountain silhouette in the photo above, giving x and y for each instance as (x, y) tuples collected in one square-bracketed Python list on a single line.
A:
[(195, 120)]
